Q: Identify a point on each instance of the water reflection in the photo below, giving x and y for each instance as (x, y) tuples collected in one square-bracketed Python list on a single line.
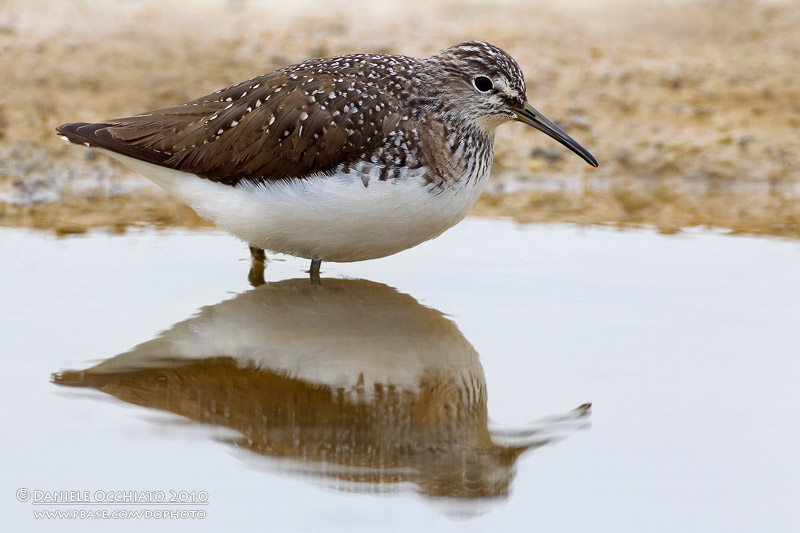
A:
[(353, 384)]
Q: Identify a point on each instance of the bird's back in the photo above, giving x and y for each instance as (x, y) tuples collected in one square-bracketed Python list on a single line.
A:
[(292, 123)]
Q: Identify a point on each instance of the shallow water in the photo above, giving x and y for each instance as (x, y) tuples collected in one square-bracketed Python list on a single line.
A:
[(436, 389)]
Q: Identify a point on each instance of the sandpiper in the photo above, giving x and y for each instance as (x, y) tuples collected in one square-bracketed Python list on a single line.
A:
[(337, 159)]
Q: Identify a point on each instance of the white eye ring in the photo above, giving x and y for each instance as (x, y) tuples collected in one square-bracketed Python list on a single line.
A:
[(483, 84)]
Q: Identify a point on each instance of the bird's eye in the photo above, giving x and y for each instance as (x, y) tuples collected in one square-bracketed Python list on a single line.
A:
[(483, 84)]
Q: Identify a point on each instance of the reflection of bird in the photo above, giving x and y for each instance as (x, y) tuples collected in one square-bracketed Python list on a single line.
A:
[(338, 159), (357, 386)]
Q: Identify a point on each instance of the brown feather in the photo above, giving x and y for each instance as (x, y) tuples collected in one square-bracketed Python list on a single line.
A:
[(332, 118)]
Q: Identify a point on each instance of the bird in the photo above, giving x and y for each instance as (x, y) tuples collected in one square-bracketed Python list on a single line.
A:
[(341, 159)]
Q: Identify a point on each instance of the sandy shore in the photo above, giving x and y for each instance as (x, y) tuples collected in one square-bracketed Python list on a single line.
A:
[(692, 108)]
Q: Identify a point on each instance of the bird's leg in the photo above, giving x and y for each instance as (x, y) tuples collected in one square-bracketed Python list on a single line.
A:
[(257, 254), (314, 271), (257, 265)]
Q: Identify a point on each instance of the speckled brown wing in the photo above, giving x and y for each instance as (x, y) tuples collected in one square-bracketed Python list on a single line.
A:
[(286, 124)]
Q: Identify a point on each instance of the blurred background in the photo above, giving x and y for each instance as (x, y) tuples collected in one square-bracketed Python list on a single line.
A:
[(686, 344), (691, 107)]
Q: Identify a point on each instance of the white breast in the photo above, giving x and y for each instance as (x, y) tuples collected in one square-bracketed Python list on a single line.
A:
[(331, 217)]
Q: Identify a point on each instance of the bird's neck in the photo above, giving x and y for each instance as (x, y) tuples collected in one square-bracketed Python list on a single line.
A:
[(454, 153)]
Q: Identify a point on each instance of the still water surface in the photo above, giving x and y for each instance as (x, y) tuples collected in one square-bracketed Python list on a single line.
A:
[(439, 389)]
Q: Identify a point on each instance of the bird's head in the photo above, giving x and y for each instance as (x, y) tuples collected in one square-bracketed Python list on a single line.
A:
[(485, 86)]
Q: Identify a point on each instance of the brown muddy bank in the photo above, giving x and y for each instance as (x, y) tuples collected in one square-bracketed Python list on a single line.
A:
[(691, 108)]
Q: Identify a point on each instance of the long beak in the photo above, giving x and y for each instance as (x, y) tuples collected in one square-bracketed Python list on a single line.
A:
[(528, 115)]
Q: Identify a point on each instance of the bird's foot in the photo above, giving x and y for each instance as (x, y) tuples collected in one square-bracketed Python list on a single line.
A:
[(314, 272), (257, 254), (257, 266)]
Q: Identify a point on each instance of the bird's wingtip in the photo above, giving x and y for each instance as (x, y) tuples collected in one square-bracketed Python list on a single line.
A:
[(70, 132)]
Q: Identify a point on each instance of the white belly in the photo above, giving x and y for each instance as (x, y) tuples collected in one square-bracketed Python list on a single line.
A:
[(333, 218)]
